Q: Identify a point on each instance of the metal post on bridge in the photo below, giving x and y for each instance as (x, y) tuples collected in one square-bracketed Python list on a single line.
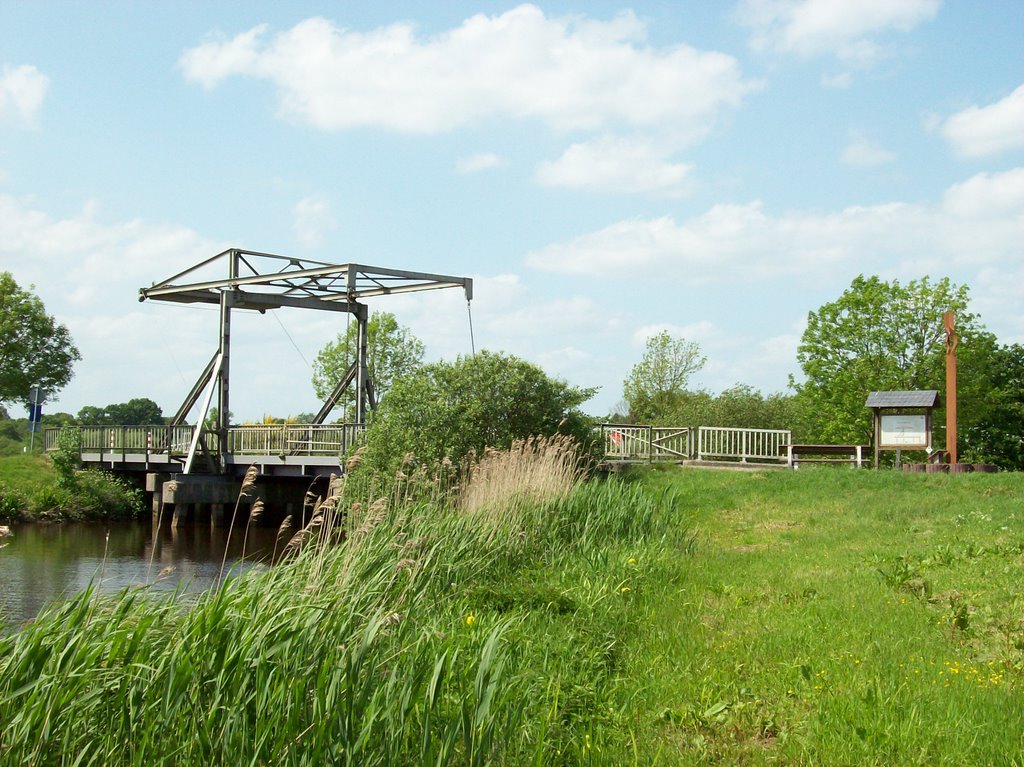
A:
[(223, 380)]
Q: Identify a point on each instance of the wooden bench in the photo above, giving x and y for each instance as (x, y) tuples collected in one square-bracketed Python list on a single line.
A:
[(855, 455)]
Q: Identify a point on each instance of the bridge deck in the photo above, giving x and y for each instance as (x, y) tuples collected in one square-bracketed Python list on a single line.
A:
[(279, 449)]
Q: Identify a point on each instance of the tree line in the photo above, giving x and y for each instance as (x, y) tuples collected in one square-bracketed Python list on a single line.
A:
[(878, 335)]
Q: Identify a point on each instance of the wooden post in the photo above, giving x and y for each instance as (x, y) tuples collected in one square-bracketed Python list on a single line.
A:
[(877, 419), (952, 341)]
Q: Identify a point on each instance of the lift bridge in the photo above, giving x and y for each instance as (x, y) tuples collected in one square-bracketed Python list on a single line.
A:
[(202, 463)]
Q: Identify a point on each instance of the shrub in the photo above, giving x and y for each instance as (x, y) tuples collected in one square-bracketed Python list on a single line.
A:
[(447, 409)]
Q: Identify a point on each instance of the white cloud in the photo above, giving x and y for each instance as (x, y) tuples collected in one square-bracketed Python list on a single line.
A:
[(611, 164), (861, 152), (700, 331), (313, 219), (986, 131), (838, 27), (85, 256), (479, 162), (213, 61), (88, 274), (979, 221), (22, 90), (762, 362), (1000, 293), (569, 72)]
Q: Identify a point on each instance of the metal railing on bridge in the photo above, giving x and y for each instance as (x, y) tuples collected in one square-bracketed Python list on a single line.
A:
[(689, 443), (333, 440), (173, 440), (294, 439)]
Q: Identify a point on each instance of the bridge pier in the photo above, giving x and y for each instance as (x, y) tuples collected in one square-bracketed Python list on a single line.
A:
[(155, 486), (219, 515), (214, 500), (181, 515)]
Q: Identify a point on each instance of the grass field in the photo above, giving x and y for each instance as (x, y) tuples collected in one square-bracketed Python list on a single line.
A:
[(842, 617), (31, 490), (679, 617)]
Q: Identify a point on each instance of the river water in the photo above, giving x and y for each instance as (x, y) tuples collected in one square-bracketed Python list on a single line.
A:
[(43, 563)]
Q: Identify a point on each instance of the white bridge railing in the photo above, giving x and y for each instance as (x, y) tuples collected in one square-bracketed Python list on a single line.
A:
[(294, 439), (123, 439), (687, 443), (260, 439)]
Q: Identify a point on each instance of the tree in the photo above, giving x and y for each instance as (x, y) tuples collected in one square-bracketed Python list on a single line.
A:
[(392, 350), (877, 336), (446, 409), (740, 406), (34, 348), (140, 411), (991, 408), (661, 376)]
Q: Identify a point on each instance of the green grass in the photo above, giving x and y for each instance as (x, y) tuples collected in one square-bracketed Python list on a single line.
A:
[(678, 617), (31, 490), (25, 471), (842, 617), (22, 477)]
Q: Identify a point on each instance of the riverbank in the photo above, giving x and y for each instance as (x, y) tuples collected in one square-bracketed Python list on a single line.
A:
[(32, 489), (681, 617)]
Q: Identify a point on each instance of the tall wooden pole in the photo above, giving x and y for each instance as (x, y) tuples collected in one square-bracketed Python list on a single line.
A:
[(952, 340)]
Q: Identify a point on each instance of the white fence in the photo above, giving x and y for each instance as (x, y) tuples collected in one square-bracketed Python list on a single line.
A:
[(260, 439), (646, 443), (293, 439), (725, 443), (704, 443), (123, 439)]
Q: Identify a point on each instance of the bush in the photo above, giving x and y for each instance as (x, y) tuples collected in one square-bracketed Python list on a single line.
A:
[(100, 495), (12, 503), (447, 409)]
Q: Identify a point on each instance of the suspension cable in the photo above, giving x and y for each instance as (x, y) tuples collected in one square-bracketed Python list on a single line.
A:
[(472, 341), (274, 314)]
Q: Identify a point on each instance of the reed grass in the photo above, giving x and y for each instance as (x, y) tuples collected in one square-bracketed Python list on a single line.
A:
[(534, 470), (372, 642), (680, 617)]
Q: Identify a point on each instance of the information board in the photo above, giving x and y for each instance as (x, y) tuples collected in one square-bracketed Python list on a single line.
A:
[(904, 432)]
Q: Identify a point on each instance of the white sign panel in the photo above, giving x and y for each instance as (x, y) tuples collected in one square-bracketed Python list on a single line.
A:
[(904, 431)]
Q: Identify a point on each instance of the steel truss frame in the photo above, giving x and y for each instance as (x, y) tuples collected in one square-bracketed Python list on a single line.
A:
[(260, 281)]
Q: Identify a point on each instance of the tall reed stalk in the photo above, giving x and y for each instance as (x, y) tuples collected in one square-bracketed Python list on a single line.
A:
[(360, 647)]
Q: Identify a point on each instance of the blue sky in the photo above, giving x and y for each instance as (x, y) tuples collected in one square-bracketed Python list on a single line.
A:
[(602, 170)]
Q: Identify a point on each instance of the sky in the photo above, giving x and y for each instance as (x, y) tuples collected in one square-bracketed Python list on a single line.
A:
[(603, 171)]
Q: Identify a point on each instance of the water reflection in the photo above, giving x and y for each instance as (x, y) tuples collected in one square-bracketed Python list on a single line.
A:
[(43, 563)]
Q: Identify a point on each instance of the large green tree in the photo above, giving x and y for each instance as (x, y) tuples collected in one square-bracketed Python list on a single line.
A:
[(740, 406), (660, 378), (877, 336), (392, 350), (35, 349), (446, 409), (991, 406), (140, 411)]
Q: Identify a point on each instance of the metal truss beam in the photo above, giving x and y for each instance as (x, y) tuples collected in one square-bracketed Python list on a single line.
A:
[(260, 281)]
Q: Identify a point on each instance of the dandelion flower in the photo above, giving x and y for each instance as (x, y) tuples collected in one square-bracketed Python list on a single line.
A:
[(470, 619)]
